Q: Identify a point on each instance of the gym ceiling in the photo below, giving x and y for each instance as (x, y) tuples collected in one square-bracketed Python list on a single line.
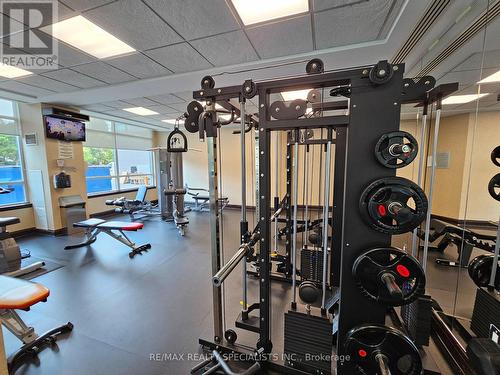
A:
[(179, 41)]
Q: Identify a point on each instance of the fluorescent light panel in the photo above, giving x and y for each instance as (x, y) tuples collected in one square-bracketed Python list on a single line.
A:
[(461, 99), (292, 95), (141, 111), (9, 71), (256, 11), (495, 77), (87, 36), (170, 121)]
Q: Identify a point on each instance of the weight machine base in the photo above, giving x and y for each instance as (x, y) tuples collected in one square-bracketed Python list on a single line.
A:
[(248, 352)]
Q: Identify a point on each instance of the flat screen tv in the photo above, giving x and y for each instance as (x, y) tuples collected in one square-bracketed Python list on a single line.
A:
[(64, 129)]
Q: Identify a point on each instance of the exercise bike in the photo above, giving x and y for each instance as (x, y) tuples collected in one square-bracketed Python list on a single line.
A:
[(10, 253)]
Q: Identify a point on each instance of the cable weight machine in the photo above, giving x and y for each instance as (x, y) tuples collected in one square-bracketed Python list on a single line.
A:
[(357, 323)]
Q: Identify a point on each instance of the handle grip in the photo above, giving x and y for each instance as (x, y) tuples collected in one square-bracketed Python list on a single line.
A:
[(391, 285), (250, 371)]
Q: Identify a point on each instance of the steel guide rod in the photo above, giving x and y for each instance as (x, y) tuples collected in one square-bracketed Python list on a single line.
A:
[(432, 180), (244, 223), (414, 249), (295, 193), (326, 210), (276, 189)]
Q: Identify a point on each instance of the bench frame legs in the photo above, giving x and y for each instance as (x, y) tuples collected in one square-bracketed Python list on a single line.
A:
[(32, 343), (91, 234)]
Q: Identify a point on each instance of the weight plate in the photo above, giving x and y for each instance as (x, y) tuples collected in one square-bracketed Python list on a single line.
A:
[(207, 82), (495, 156), (480, 270), (393, 205), (396, 149), (381, 73), (494, 187), (308, 292), (315, 66), (365, 343), (370, 268)]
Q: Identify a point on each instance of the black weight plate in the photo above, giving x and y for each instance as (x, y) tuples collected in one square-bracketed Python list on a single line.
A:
[(207, 82), (308, 292), (405, 269), (365, 342), (388, 149), (473, 263), (481, 271), (384, 205), (495, 156), (315, 66), (494, 187)]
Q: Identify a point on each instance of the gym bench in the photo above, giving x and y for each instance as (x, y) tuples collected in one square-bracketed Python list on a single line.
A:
[(95, 226), (18, 294), (201, 201)]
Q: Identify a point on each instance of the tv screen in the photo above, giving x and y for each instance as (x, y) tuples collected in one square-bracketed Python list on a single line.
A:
[(64, 130)]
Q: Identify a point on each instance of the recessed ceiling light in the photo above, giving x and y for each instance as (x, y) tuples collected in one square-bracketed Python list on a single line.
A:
[(141, 111), (461, 99), (9, 71), (87, 36), (292, 95), (495, 77), (256, 11), (170, 121)]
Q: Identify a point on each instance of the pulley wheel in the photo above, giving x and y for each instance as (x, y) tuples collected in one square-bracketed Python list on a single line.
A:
[(396, 149), (315, 66), (249, 89), (381, 73), (194, 110), (375, 349), (207, 82), (389, 276), (495, 156), (393, 205), (494, 187)]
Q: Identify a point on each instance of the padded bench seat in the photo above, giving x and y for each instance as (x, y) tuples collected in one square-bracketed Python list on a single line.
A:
[(112, 225), (20, 294)]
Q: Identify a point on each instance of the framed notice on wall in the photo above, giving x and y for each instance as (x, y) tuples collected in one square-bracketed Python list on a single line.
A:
[(65, 150)]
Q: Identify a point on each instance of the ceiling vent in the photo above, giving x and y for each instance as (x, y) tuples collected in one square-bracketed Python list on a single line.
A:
[(430, 16), (479, 24)]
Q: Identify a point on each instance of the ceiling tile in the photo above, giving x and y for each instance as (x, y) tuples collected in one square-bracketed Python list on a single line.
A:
[(166, 99), (186, 95), (194, 18), (327, 4), (116, 104), (135, 24), (15, 26), (81, 5), (69, 56), (491, 60), (179, 58), (98, 108), (140, 102), (139, 65), (391, 18), (335, 27), (226, 49), (161, 109), (23, 89), (47, 83), (104, 72), (76, 79), (282, 43), (179, 107)]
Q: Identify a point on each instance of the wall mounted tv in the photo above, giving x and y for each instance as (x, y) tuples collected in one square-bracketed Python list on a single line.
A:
[(64, 129)]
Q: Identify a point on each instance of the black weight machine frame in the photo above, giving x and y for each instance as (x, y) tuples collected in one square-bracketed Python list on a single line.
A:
[(374, 109)]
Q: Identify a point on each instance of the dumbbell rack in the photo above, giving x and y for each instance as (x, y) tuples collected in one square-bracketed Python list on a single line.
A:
[(374, 109)]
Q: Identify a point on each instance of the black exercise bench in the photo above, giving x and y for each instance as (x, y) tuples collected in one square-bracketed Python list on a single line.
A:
[(201, 199), (95, 226), (464, 239)]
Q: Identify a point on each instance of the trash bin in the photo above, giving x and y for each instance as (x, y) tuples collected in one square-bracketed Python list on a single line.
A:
[(72, 211)]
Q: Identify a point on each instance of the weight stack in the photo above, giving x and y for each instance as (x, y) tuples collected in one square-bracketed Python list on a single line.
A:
[(308, 342), (417, 319), (486, 312), (311, 265)]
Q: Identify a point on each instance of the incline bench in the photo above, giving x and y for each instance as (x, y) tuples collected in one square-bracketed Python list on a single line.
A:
[(18, 294), (201, 201), (95, 226)]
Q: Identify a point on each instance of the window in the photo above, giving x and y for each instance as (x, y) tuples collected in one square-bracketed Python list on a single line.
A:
[(117, 156), (11, 163)]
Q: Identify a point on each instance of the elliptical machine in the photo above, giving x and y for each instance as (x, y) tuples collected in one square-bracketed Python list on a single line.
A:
[(10, 252)]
